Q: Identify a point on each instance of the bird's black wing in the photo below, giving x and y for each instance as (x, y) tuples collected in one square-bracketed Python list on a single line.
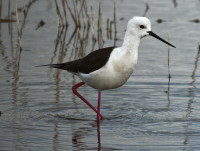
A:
[(93, 61)]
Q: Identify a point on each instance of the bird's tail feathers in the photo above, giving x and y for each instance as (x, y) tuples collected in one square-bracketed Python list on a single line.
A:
[(50, 65)]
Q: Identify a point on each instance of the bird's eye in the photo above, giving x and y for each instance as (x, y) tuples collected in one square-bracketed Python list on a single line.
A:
[(142, 26)]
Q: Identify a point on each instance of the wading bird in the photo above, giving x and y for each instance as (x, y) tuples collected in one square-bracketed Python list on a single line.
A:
[(110, 67)]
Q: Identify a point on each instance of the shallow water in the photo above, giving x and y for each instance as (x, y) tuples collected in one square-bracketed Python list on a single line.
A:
[(150, 112)]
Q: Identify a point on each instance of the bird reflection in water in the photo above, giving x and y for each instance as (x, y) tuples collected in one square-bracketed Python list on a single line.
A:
[(80, 134)]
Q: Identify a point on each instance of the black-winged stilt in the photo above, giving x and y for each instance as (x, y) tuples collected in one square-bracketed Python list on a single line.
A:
[(110, 67)]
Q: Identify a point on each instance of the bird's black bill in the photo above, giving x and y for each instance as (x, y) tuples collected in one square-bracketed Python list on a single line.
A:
[(156, 36)]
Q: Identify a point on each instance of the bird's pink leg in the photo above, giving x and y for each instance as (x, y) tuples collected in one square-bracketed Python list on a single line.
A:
[(74, 89), (99, 103)]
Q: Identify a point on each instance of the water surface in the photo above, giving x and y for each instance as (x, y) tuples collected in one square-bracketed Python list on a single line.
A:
[(150, 112)]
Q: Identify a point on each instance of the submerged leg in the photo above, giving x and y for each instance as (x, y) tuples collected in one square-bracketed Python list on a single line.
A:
[(74, 89), (99, 103)]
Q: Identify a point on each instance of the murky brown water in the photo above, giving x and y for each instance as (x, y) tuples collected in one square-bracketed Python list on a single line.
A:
[(39, 111)]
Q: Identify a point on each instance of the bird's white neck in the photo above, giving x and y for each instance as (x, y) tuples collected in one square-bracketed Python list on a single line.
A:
[(131, 44), (131, 41)]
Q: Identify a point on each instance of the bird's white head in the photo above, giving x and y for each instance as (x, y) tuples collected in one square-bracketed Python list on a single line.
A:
[(139, 26)]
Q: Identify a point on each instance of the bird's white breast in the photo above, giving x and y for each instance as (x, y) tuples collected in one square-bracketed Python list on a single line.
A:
[(114, 74)]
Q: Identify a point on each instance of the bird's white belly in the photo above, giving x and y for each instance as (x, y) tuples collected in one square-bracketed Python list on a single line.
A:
[(106, 78), (114, 74)]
